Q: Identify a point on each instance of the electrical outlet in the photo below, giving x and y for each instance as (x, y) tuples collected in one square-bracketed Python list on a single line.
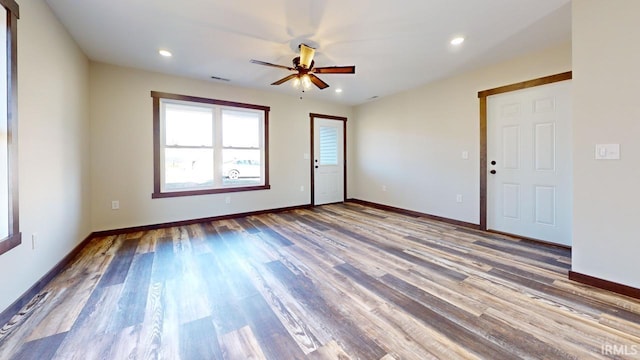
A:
[(301, 187), (227, 200), (459, 198), (384, 187), (34, 237), (115, 205)]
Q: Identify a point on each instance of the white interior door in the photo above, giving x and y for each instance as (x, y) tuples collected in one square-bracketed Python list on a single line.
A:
[(529, 184), (328, 162)]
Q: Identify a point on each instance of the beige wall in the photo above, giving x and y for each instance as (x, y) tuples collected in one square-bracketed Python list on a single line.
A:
[(122, 149), (606, 110), (412, 142), (53, 149)]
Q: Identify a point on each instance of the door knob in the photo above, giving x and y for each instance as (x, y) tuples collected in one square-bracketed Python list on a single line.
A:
[(492, 171), (316, 166), (493, 162)]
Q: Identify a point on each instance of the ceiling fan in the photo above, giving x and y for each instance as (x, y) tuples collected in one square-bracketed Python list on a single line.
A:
[(303, 65)]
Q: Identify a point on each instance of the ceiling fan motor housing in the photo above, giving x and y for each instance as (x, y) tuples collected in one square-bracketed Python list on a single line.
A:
[(299, 67)]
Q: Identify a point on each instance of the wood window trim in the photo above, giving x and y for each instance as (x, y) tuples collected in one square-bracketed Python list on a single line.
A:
[(15, 237), (157, 166), (312, 117), (482, 95)]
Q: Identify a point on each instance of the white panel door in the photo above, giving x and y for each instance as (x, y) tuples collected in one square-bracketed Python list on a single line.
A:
[(328, 141), (529, 184)]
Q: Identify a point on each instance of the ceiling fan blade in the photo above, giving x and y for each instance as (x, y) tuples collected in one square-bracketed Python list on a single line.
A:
[(317, 82), (272, 65), (335, 70), (285, 79)]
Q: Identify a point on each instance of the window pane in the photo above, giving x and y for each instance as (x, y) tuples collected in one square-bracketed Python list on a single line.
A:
[(328, 145), (241, 167), (188, 125), (188, 168), (240, 129), (4, 130)]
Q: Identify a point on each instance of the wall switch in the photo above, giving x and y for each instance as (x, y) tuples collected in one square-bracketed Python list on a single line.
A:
[(465, 155), (459, 198), (34, 237), (227, 200), (301, 187), (115, 205), (306, 156), (607, 151), (384, 187)]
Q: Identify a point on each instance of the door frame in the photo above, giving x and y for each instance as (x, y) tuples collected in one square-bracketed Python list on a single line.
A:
[(312, 117), (482, 95)]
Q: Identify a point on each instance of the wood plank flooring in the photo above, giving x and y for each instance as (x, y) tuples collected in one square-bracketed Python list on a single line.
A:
[(340, 281)]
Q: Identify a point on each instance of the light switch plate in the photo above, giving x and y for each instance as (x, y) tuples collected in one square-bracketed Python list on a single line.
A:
[(607, 151)]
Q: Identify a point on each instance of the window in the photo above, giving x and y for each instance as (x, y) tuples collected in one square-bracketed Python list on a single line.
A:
[(207, 146), (10, 236), (328, 145)]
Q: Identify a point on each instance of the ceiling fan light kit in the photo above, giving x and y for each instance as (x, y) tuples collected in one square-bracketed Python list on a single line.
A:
[(304, 66), (303, 81)]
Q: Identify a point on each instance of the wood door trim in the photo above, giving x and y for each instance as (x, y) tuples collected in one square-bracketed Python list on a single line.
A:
[(312, 187), (482, 95), (526, 84)]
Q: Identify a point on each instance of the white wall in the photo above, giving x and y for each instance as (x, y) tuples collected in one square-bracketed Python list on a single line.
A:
[(53, 80), (412, 142), (122, 149), (606, 88)]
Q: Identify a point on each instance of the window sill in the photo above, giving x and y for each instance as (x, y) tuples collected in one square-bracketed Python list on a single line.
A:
[(160, 195), (10, 242)]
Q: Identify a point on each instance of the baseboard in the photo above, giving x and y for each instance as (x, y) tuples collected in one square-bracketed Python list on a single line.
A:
[(24, 299), (532, 240), (605, 284), (577, 277), (415, 213), (455, 222), (193, 221)]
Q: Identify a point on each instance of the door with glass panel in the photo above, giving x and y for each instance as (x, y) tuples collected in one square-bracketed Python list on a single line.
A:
[(328, 160)]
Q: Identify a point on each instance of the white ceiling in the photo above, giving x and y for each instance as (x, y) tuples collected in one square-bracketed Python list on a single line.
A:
[(395, 45)]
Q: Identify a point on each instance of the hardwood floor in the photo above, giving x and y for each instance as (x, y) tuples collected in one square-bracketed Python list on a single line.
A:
[(340, 281)]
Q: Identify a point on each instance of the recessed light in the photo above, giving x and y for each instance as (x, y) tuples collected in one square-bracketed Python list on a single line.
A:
[(457, 40), (165, 53), (338, 90)]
